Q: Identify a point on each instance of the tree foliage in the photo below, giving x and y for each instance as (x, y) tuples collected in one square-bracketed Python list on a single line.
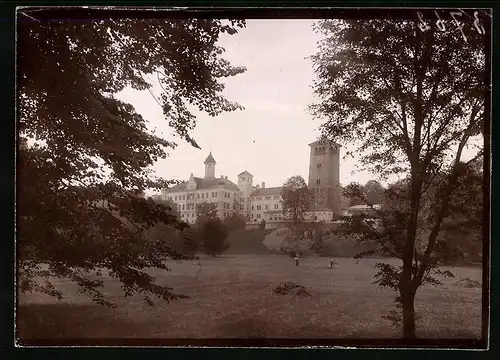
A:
[(205, 211), (372, 191), (296, 198), (214, 234), (412, 102), (234, 221), (87, 148)]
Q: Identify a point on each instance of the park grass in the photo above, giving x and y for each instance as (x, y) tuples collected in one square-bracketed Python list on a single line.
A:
[(231, 297)]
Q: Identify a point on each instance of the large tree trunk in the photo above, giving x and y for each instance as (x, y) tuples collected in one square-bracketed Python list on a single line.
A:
[(408, 303)]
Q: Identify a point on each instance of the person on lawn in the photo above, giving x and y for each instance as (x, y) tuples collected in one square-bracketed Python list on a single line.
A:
[(296, 260)]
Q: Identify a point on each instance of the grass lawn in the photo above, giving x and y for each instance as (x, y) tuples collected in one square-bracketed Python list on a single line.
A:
[(230, 297)]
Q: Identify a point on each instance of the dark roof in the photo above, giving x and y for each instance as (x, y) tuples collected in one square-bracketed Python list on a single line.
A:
[(206, 183), (245, 173), (267, 191), (210, 159)]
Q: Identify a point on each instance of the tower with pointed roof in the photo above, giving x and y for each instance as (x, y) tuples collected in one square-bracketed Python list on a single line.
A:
[(210, 166)]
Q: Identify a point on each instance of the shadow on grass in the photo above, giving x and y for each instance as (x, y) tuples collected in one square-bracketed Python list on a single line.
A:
[(55, 321)]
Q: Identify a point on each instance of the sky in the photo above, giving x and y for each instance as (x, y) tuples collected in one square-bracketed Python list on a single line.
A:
[(270, 137)]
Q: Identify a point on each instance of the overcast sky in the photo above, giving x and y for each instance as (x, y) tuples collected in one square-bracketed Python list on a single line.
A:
[(270, 137)]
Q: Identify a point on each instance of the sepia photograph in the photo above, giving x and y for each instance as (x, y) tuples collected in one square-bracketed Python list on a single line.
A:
[(255, 177)]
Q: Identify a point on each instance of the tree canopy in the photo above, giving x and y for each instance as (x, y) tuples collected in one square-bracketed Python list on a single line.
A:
[(411, 101), (205, 211), (296, 198), (86, 148), (213, 233)]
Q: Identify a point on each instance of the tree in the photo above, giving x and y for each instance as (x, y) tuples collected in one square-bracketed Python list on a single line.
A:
[(373, 191), (296, 200), (191, 241), (214, 234), (87, 148), (205, 211), (234, 221), (411, 101), (318, 240)]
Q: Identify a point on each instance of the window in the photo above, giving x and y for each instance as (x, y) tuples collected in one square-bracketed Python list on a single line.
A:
[(319, 165), (275, 206), (198, 196), (258, 216), (258, 207), (317, 181), (268, 197), (276, 197), (267, 207), (202, 196), (252, 207), (183, 197), (175, 198), (182, 206)]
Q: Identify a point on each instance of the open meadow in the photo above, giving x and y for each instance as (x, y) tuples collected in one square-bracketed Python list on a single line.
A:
[(231, 297)]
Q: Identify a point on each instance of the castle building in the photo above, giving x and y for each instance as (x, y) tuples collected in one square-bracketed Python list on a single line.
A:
[(258, 203), (266, 204), (221, 191)]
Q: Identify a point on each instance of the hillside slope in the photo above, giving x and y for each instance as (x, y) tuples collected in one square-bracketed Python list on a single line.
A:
[(243, 241)]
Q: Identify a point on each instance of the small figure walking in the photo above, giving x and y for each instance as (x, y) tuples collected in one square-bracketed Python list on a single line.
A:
[(331, 263), (296, 260)]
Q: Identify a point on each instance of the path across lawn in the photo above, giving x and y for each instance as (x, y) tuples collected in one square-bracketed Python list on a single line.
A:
[(231, 297)]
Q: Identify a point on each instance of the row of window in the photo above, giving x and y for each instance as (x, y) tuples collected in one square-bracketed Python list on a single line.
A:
[(275, 197), (259, 207), (192, 206), (275, 217), (322, 149), (203, 196), (193, 215)]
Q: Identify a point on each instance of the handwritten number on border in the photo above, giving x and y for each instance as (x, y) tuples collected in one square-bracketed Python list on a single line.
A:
[(454, 15), (439, 22), (477, 23), (422, 25)]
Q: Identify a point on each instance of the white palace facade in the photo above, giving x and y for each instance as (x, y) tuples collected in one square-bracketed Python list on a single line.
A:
[(258, 203)]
